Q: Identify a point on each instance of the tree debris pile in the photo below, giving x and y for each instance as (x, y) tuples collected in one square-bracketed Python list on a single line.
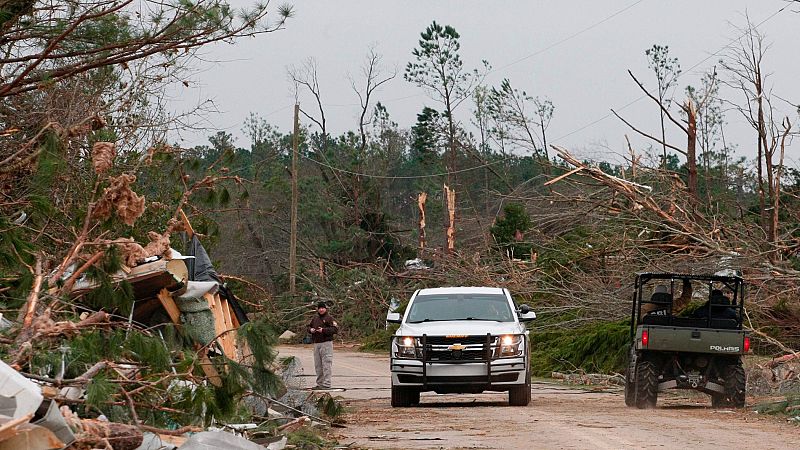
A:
[(172, 352)]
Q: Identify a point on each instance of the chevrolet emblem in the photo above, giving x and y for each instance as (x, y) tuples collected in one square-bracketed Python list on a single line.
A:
[(457, 347), (451, 336)]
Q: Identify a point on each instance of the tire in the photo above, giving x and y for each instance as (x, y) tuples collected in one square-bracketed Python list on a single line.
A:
[(735, 385), (414, 396), (630, 376), (646, 385), (520, 395), (403, 397), (630, 392), (719, 401)]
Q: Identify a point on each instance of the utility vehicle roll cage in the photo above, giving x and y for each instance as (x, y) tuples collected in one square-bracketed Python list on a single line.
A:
[(713, 318)]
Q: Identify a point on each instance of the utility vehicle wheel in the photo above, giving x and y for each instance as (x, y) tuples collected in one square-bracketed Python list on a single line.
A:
[(646, 385), (520, 395), (735, 385), (719, 401), (630, 390), (403, 397)]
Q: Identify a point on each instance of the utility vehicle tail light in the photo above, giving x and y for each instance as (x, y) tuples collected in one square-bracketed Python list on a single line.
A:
[(645, 338), (746, 344)]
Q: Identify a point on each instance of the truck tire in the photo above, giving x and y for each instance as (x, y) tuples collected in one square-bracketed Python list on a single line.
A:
[(403, 397), (735, 385), (646, 385), (519, 395), (414, 396)]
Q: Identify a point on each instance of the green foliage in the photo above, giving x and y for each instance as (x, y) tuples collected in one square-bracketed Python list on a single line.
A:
[(308, 438), (257, 375), (141, 347), (379, 341), (597, 348), (99, 390), (790, 406), (330, 407), (109, 295), (509, 230)]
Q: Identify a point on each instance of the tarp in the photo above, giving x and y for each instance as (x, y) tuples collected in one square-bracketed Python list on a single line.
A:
[(201, 269)]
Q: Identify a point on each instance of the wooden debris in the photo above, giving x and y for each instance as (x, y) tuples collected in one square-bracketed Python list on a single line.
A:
[(294, 425), (168, 303), (783, 359), (33, 297), (9, 428)]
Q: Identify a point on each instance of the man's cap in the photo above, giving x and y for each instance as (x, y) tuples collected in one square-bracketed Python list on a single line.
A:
[(322, 305), (661, 289)]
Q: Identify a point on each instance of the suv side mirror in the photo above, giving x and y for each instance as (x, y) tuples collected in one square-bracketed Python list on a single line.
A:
[(394, 317), (525, 313)]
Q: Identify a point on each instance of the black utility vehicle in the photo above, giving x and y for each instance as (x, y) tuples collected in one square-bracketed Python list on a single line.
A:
[(677, 343)]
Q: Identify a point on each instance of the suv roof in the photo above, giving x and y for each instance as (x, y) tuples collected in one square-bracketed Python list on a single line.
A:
[(461, 290)]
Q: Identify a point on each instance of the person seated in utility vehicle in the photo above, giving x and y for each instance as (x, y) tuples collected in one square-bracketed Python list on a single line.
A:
[(661, 299), (718, 305)]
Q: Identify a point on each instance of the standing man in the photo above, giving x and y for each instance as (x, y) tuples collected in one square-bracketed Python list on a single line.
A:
[(322, 329)]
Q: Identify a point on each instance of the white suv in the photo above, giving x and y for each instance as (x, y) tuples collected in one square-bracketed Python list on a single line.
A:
[(461, 340)]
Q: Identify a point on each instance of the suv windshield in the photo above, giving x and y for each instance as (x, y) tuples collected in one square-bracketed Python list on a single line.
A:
[(441, 307)]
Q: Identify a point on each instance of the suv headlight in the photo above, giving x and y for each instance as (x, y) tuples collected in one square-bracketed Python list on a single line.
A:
[(407, 347), (511, 345)]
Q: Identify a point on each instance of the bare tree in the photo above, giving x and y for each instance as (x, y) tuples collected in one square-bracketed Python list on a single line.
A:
[(688, 126), (527, 129), (744, 63), (374, 76), (307, 75)]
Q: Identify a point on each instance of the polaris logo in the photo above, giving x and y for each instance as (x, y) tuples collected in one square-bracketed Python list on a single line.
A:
[(719, 348)]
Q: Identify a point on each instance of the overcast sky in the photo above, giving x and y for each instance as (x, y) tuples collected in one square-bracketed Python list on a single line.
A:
[(574, 53)]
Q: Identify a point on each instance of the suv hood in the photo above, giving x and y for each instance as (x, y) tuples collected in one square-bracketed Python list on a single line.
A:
[(459, 327)]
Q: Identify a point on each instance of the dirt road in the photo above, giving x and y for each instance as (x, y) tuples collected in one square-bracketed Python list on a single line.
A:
[(559, 417)]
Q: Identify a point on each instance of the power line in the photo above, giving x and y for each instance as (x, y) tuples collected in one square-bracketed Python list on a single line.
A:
[(575, 131), (568, 38), (607, 115), (407, 177), (517, 61)]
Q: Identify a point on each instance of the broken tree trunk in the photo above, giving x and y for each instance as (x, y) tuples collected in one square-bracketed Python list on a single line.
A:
[(691, 147), (119, 435), (450, 196), (421, 198)]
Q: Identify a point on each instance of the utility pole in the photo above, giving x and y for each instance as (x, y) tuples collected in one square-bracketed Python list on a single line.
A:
[(293, 232)]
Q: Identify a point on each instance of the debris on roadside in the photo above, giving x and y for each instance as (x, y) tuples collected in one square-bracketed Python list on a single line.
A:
[(142, 348), (583, 378)]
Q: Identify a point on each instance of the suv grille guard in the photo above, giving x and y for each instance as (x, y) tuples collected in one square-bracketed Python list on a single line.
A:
[(489, 346)]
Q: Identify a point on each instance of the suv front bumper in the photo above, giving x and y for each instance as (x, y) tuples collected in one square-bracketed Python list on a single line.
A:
[(487, 372)]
